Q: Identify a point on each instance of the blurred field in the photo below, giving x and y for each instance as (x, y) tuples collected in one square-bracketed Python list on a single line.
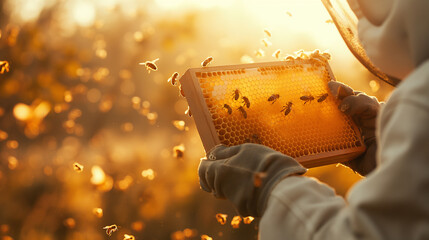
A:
[(75, 93)]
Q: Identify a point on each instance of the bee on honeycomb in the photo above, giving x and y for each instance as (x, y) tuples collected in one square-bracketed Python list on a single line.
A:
[(273, 98), (246, 101), (236, 94), (307, 98), (228, 108), (287, 108), (243, 112), (322, 97)]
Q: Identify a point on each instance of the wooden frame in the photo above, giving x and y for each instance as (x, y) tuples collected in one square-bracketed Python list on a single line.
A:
[(206, 128)]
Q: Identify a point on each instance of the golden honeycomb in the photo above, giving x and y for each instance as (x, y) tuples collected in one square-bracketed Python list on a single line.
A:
[(285, 105)]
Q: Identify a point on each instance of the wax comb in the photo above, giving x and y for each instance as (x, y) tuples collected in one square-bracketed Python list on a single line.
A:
[(285, 105)]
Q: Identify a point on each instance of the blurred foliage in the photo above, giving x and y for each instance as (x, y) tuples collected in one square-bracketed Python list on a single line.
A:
[(89, 139)]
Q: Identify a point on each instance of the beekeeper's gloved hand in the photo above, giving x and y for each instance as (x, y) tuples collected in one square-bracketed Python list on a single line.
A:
[(363, 109), (245, 174)]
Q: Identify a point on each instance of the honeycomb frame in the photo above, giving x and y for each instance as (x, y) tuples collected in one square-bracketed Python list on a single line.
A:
[(306, 124)]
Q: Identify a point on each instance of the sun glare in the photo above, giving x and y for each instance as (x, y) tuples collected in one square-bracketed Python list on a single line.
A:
[(84, 13)]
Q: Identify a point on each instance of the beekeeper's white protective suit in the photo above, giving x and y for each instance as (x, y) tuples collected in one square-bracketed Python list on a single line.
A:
[(392, 202)]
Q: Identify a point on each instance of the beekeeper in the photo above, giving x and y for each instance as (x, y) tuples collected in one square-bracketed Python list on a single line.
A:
[(392, 202)]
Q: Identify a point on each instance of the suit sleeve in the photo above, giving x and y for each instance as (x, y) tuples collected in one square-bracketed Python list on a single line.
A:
[(391, 203)]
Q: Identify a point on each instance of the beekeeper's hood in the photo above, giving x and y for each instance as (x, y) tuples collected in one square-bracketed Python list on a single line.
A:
[(394, 33)]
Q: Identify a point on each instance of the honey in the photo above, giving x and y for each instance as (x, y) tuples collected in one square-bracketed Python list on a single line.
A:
[(302, 120)]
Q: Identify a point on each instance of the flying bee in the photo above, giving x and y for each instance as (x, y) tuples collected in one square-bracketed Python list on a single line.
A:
[(276, 54), (228, 108), (267, 32), (236, 94), (111, 229), (273, 98), (306, 99), (207, 61), (129, 237), (4, 66), (77, 167), (173, 78), (246, 101), (286, 108), (322, 97), (243, 112), (266, 42), (150, 65), (221, 218)]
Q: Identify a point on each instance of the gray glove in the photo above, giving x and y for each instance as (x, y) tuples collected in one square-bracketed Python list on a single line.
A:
[(245, 175), (363, 109)]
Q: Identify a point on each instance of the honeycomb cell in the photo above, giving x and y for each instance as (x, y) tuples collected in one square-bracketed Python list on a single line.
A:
[(315, 132)]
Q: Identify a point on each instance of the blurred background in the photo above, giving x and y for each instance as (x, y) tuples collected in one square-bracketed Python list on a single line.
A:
[(88, 138)]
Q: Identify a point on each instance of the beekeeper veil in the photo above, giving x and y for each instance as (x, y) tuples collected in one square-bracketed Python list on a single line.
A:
[(389, 37)]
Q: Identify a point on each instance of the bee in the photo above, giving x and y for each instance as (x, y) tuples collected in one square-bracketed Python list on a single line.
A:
[(248, 219), (286, 108), (306, 99), (235, 222), (228, 108), (111, 229), (276, 54), (246, 101), (243, 112), (207, 61), (150, 65), (236, 94), (77, 167), (4, 67), (129, 237), (289, 14), (221, 218), (267, 32), (206, 237), (173, 78), (322, 97), (266, 42), (273, 98), (179, 151)]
